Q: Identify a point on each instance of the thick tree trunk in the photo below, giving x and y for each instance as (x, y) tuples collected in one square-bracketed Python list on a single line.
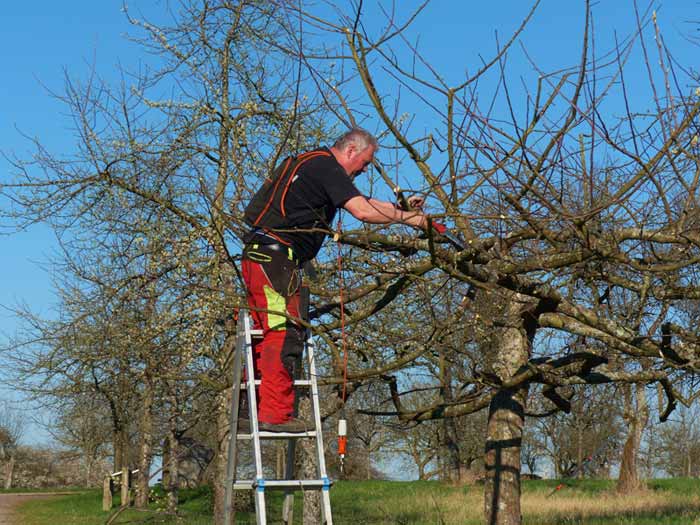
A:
[(453, 460), (223, 401), (452, 457), (503, 442), (89, 463), (636, 418), (172, 482), (117, 450), (629, 479), (145, 447), (421, 472), (222, 412), (507, 416), (165, 478), (121, 449), (579, 452), (9, 472), (307, 467)]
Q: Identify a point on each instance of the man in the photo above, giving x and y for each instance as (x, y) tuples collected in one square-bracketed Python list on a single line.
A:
[(290, 217)]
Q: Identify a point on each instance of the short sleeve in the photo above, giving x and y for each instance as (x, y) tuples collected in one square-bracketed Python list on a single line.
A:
[(340, 188)]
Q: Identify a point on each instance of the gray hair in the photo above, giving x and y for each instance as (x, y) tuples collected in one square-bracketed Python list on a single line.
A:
[(359, 137)]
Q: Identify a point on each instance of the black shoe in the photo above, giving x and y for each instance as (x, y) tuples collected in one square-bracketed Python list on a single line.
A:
[(291, 425)]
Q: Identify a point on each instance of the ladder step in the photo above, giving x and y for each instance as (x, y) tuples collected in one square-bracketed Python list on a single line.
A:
[(283, 484), (297, 382), (278, 435)]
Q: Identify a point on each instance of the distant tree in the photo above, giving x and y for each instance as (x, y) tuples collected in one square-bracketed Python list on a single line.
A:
[(418, 445), (590, 434), (83, 424), (12, 426), (679, 439)]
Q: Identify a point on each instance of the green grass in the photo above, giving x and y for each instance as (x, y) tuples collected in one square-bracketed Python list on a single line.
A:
[(34, 491), (587, 502)]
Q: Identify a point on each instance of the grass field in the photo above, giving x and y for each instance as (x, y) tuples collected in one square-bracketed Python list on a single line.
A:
[(664, 502)]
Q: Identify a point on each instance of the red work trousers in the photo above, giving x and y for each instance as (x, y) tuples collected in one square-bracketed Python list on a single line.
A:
[(273, 282)]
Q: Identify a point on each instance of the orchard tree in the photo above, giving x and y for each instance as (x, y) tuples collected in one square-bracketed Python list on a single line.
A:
[(571, 203), (12, 426), (569, 206)]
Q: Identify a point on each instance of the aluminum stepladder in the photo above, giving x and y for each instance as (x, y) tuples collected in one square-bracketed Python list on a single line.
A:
[(243, 357)]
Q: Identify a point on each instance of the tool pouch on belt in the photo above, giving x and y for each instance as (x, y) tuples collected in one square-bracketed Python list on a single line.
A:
[(293, 345)]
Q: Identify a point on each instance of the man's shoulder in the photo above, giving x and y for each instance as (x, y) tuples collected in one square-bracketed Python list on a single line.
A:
[(324, 166), (321, 157)]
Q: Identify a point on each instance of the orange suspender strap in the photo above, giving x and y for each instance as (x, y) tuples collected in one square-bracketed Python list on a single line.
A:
[(269, 202), (309, 156)]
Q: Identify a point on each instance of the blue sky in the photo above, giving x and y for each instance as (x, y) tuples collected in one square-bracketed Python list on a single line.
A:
[(40, 41), (39, 44)]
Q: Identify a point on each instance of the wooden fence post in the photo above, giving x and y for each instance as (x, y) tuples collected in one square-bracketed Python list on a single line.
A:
[(107, 493)]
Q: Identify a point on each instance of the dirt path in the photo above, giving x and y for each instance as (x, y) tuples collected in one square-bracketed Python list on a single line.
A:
[(9, 501)]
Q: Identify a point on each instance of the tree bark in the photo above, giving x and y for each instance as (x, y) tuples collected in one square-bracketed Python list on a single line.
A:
[(222, 411), (120, 441), (146, 446), (165, 478), (507, 417), (89, 465), (223, 400), (579, 452), (307, 467), (636, 418), (118, 450), (9, 472), (453, 461), (172, 482), (504, 438)]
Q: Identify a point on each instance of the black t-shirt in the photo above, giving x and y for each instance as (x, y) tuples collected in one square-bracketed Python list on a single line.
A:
[(319, 188)]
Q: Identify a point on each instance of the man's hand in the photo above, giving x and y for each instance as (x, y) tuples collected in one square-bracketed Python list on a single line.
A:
[(414, 203)]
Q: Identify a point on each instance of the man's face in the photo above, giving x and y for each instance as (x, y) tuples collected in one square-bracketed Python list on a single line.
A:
[(359, 161)]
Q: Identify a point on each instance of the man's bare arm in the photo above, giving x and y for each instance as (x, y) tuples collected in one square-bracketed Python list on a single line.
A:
[(375, 211)]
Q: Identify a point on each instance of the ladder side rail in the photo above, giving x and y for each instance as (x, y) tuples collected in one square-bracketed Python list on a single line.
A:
[(326, 516), (233, 420), (253, 419)]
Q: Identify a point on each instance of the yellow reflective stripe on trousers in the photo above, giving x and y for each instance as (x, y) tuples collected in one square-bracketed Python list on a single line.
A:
[(275, 303)]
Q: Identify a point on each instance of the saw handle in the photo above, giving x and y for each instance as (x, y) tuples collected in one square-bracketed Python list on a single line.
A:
[(439, 227)]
